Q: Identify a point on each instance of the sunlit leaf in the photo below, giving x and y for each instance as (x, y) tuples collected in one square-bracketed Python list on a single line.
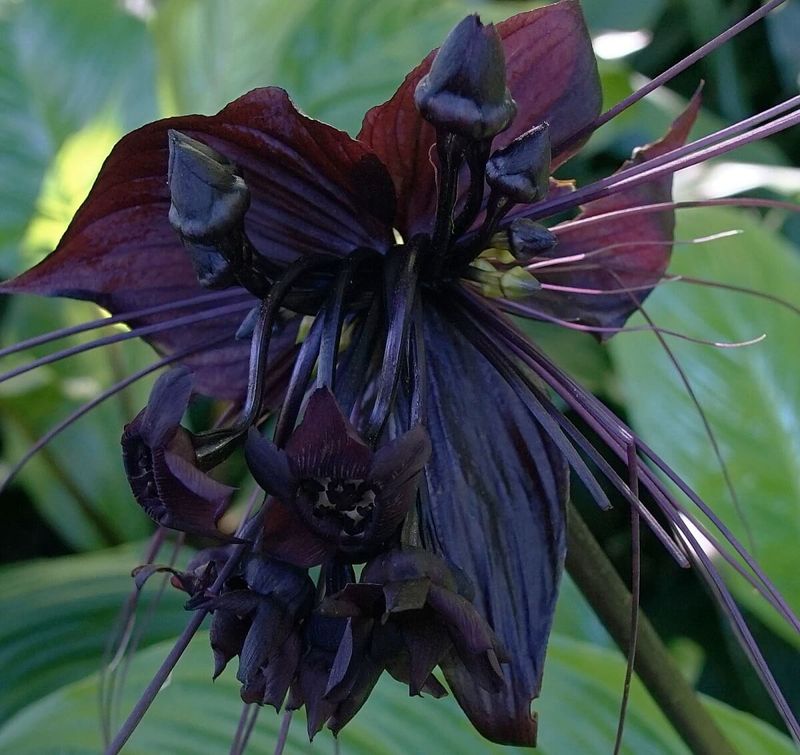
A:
[(750, 394)]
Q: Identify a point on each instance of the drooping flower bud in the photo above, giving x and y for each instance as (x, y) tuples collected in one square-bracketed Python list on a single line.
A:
[(527, 239), (209, 200), (208, 197), (161, 463), (521, 170), (411, 614), (465, 90)]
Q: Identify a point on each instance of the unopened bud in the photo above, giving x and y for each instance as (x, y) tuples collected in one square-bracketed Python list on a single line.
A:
[(465, 91), (527, 239), (518, 283), (209, 199), (521, 170)]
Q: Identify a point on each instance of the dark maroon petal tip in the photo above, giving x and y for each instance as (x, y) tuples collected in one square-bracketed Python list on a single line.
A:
[(325, 444), (167, 404), (287, 538)]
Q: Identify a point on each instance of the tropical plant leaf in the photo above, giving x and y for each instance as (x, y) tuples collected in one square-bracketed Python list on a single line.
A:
[(578, 713), (750, 395), (59, 614), (60, 65)]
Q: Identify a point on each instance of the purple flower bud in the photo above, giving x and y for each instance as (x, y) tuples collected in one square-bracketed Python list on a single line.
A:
[(521, 170), (465, 90), (410, 606), (527, 238), (209, 198)]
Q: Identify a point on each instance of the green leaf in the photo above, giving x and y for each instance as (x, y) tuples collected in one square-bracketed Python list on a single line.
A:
[(58, 616), (336, 60), (577, 713), (750, 394), (61, 64)]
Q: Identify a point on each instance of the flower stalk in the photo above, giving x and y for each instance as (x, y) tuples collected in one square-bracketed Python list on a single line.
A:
[(611, 600)]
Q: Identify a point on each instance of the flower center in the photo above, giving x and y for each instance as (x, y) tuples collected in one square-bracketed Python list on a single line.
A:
[(350, 503)]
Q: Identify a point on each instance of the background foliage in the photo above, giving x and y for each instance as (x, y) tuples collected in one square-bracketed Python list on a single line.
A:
[(75, 76)]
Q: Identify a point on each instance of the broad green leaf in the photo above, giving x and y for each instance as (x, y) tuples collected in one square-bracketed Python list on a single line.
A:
[(76, 482), (336, 60), (577, 713), (59, 614), (751, 395), (60, 65)]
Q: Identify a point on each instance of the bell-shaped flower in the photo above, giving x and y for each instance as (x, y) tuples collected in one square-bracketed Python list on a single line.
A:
[(161, 463), (409, 613), (258, 616), (333, 493)]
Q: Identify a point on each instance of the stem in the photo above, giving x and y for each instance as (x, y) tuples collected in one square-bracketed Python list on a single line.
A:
[(599, 582)]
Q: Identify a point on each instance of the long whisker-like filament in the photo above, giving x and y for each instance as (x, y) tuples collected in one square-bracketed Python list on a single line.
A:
[(122, 317), (558, 261), (636, 568), (99, 399), (517, 308), (147, 330), (687, 384), (679, 67), (658, 167), (770, 204), (740, 290)]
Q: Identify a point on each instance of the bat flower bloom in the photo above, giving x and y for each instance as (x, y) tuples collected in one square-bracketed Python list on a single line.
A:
[(162, 466), (257, 615), (410, 614), (334, 495), (364, 284)]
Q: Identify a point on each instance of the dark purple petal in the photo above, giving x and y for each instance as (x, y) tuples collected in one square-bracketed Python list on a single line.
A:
[(552, 75), (354, 674), (632, 265), (281, 668), (286, 537), (427, 644), (497, 514), (400, 459), (269, 465), (362, 599), (227, 635), (313, 189), (322, 636), (409, 595), (168, 401), (467, 627), (398, 565), (269, 630), (325, 444)]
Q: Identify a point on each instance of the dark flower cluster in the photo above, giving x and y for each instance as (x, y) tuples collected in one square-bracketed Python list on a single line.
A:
[(359, 291)]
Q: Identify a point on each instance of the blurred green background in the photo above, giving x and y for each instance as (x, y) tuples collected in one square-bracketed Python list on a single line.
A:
[(75, 76)]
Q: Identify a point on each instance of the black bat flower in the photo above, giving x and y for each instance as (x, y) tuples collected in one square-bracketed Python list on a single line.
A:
[(429, 435)]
